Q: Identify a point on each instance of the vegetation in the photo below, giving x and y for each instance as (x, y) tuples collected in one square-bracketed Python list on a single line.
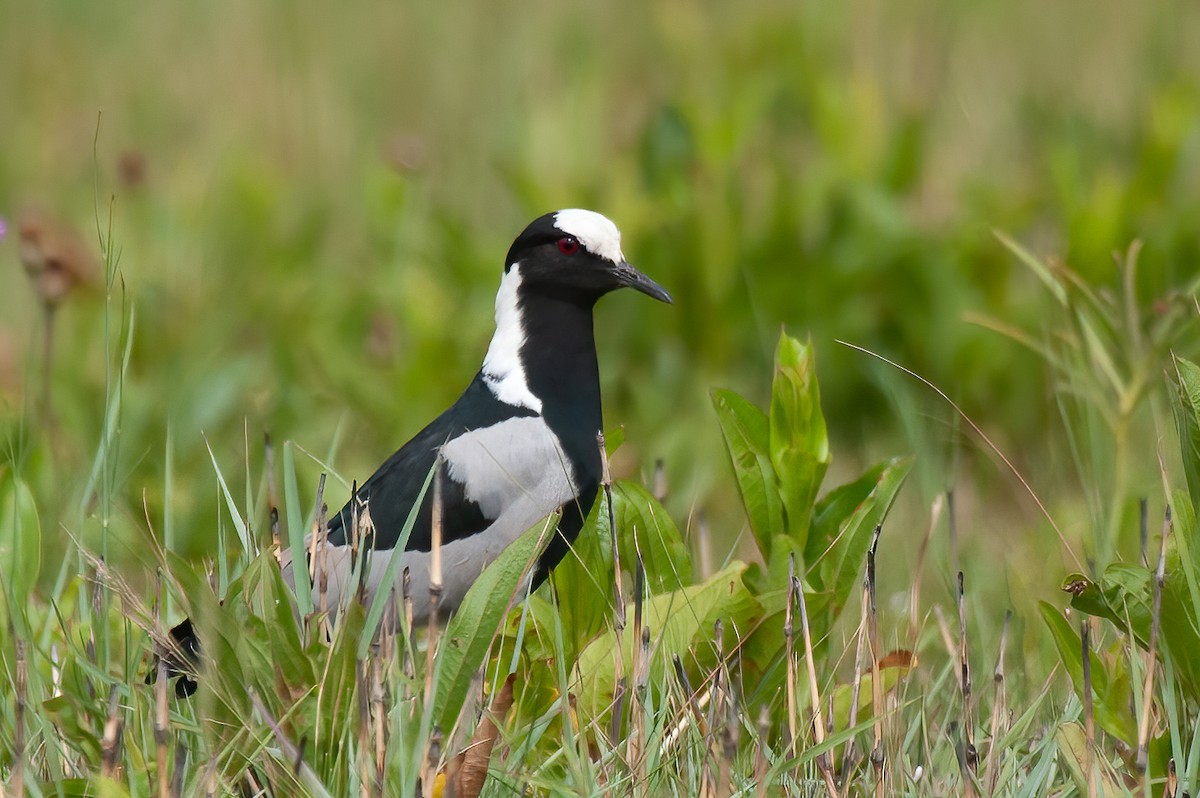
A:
[(246, 246)]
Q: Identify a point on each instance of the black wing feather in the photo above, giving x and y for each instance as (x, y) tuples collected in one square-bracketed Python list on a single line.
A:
[(392, 491)]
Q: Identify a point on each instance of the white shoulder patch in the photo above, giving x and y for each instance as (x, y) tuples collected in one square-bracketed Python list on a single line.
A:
[(502, 368), (597, 233)]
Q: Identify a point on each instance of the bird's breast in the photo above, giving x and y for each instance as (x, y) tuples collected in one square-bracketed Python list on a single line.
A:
[(518, 462)]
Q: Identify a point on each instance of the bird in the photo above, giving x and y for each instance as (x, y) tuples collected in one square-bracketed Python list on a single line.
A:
[(519, 444)]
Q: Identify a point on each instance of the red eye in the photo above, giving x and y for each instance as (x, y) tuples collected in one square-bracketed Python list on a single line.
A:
[(568, 245)]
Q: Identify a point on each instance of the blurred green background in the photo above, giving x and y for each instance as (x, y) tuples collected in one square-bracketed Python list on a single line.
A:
[(311, 204)]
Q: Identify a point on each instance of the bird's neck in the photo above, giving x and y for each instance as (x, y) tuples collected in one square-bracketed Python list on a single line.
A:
[(543, 357)]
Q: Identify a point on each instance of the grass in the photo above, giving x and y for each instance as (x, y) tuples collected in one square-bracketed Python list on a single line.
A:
[(283, 219)]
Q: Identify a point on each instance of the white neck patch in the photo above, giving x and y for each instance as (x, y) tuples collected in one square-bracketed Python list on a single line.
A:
[(502, 370), (597, 233)]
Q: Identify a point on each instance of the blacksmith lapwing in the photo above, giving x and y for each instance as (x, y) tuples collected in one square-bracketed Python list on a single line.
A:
[(519, 443)]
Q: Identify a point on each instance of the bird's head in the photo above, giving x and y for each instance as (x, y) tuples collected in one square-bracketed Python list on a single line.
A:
[(576, 254)]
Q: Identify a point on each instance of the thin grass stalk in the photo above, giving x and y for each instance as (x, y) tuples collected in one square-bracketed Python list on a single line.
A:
[(789, 653), (1152, 651), (619, 680), (181, 755), (435, 579), (952, 528), (22, 698), (823, 760), (969, 757), (410, 668), (161, 716), (999, 708), (363, 753), (378, 696), (272, 491), (694, 713), (114, 728), (293, 752), (314, 544), (717, 691), (618, 593), (878, 755), (860, 653), (635, 739), (914, 603), (210, 776), (1089, 723), (761, 765)]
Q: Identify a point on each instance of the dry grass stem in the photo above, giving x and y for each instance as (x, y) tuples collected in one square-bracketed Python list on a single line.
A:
[(161, 716), (999, 708), (114, 727), (1152, 651), (618, 593), (1089, 710), (435, 578), (17, 780), (878, 756), (968, 756), (914, 604), (363, 749), (824, 761), (790, 657), (472, 763)]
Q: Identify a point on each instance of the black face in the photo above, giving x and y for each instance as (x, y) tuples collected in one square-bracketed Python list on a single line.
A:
[(555, 262)]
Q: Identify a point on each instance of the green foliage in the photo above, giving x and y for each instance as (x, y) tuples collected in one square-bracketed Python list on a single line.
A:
[(20, 539), (473, 627), (779, 461)]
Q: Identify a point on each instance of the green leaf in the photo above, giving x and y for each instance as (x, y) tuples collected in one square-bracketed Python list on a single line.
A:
[(476, 621), (1187, 420), (583, 582), (835, 507), (675, 620), (20, 538), (1114, 718), (837, 567), (295, 526), (644, 526), (747, 439), (798, 441)]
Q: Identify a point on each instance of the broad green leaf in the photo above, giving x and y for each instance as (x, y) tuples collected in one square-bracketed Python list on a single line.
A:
[(674, 620), (839, 566), (1122, 596), (1178, 631), (643, 526), (835, 507), (583, 582), (613, 438), (798, 441), (467, 637), (1087, 597), (747, 439), (1114, 718), (1187, 419), (1072, 743), (20, 537)]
